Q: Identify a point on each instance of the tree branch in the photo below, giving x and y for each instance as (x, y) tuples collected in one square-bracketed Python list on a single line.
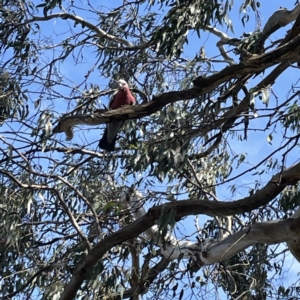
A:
[(280, 18), (272, 232), (203, 85), (84, 23), (185, 208)]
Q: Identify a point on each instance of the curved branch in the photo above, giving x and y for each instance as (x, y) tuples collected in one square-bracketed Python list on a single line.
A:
[(203, 85), (94, 28), (185, 208), (280, 18), (272, 232)]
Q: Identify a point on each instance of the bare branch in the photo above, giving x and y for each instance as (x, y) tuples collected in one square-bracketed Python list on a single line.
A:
[(94, 28), (280, 18), (263, 232)]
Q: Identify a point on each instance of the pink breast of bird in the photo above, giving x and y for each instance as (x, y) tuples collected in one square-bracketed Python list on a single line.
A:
[(122, 97)]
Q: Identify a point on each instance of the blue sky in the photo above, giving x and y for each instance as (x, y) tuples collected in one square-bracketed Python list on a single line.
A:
[(257, 145)]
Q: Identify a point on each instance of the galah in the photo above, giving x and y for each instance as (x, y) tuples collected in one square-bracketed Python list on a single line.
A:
[(122, 97)]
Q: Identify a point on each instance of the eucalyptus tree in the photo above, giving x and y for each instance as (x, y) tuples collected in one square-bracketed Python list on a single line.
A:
[(200, 196)]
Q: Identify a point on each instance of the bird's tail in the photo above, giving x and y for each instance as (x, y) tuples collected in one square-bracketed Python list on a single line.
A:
[(105, 145)]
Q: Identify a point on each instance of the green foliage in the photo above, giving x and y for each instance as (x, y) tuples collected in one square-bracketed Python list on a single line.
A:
[(61, 198), (182, 17)]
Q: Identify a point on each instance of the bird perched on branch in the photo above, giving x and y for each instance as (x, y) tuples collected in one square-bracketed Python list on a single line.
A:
[(122, 97)]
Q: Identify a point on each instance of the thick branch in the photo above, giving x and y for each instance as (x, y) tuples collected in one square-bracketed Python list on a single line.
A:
[(203, 85), (183, 208), (294, 244), (222, 208), (280, 18), (272, 232), (85, 266)]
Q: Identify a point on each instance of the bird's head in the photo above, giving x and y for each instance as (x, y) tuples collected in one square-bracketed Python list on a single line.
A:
[(122, 84)]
